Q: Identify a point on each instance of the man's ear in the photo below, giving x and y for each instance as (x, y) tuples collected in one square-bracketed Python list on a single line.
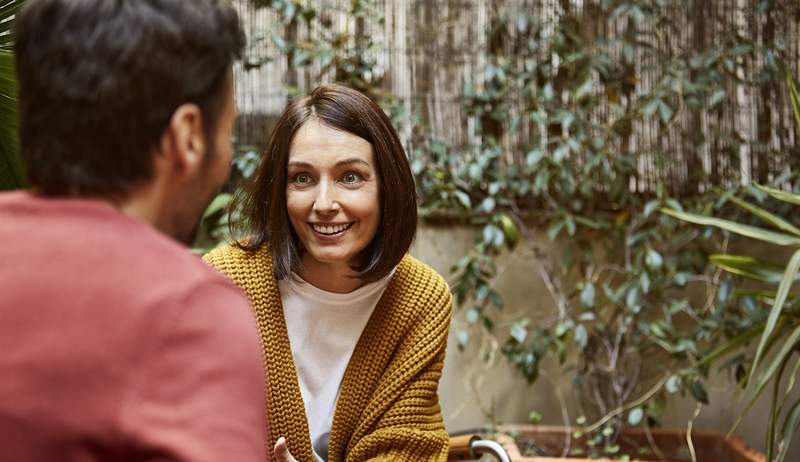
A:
[(183, 145)]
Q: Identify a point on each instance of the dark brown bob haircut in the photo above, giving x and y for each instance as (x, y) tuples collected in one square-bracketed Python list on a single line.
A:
[(263, 202)]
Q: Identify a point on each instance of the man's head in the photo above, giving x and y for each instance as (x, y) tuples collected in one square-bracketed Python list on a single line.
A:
[(116, 94)]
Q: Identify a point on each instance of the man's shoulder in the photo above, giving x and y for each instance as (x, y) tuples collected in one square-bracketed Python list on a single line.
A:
[(77, 246)]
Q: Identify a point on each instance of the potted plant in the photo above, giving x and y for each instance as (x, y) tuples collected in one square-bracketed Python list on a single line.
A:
[(776, 362)]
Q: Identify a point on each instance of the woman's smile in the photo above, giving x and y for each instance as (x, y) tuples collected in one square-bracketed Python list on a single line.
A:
[(331, 229)]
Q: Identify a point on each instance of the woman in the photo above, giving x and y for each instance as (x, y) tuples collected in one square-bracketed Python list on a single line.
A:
[(353, 328)]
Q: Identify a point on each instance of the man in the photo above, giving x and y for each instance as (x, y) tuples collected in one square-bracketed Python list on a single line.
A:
[(116, 343)]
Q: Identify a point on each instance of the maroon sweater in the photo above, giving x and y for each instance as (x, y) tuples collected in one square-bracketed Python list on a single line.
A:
[(117, 344)]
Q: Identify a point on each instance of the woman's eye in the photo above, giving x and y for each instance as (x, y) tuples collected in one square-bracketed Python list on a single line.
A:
[(351, 178), (302, 178)]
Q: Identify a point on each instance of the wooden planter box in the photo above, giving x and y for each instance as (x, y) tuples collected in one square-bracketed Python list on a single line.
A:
[(709, 446)]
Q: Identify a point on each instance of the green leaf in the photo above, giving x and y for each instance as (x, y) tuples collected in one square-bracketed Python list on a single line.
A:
[(767, 217), (673, 204), (699, 392), (534, 157), (654, 260), (773, 372), (632, 298), (795, 99), (791, 425), (783, 291), (635, 416), (665, 112), (681, 278), (463, 199), (462, 338), (651, 207), (743, 230), (644, 282), (547, 92), (561, 153), (12, 169), (218, 204), (717, 97), (725, 290), (8, 9), (591, 223), (473, 315), (289, 11), (651, 107), (780, 195), (554, 228), (510, 230), (731, 346), (750, 267), (584, 90), (777, 362), (281, 43), (300, 57), (563, 327), (581, 336), (488, 204), (570, 222), (673, 384), (587, 295), (519, 331)]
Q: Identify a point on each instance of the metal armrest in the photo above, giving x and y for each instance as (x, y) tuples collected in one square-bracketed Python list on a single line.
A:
[(471, 447)]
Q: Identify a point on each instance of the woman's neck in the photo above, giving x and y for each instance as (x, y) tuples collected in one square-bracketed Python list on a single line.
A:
[(331, 277)]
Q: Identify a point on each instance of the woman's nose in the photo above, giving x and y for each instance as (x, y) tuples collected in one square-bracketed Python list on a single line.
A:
[(326, 201)]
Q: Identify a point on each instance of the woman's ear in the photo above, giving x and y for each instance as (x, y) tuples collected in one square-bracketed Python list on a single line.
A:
[(183, 145)]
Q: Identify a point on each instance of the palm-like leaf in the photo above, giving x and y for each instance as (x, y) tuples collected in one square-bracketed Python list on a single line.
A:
[(753, 232), (12, 172), (751, 268)]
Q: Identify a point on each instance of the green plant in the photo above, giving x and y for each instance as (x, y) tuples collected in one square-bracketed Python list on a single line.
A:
[(12, 170), (215, 225), (776, 357)]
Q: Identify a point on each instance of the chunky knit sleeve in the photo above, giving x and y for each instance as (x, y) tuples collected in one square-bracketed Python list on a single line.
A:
[(403, 420), (412, 429)]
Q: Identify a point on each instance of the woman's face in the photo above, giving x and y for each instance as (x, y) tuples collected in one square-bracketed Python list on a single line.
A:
[(332, 193)]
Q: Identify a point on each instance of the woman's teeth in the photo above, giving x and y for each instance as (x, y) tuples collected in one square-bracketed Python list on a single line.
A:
[(330, 229)]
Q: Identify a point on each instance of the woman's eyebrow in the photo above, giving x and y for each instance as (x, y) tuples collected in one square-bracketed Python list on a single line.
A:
[(352, 160), (344, 162), (298, 164)]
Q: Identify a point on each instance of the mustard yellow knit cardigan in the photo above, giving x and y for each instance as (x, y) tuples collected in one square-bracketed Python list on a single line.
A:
[(388, 408)]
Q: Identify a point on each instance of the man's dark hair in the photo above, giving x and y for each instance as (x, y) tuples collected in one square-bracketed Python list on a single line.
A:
[(263, 202), (99, 81)]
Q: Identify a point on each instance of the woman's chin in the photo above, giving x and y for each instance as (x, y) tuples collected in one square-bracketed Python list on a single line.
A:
[(327, 258)]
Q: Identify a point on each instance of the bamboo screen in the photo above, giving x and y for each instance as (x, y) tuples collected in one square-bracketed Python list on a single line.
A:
[(428, 50)]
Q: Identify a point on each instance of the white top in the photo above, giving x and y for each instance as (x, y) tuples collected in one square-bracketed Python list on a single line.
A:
[(324, 328)]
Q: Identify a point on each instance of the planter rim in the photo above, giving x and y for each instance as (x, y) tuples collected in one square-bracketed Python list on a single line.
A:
[(734, 442)]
